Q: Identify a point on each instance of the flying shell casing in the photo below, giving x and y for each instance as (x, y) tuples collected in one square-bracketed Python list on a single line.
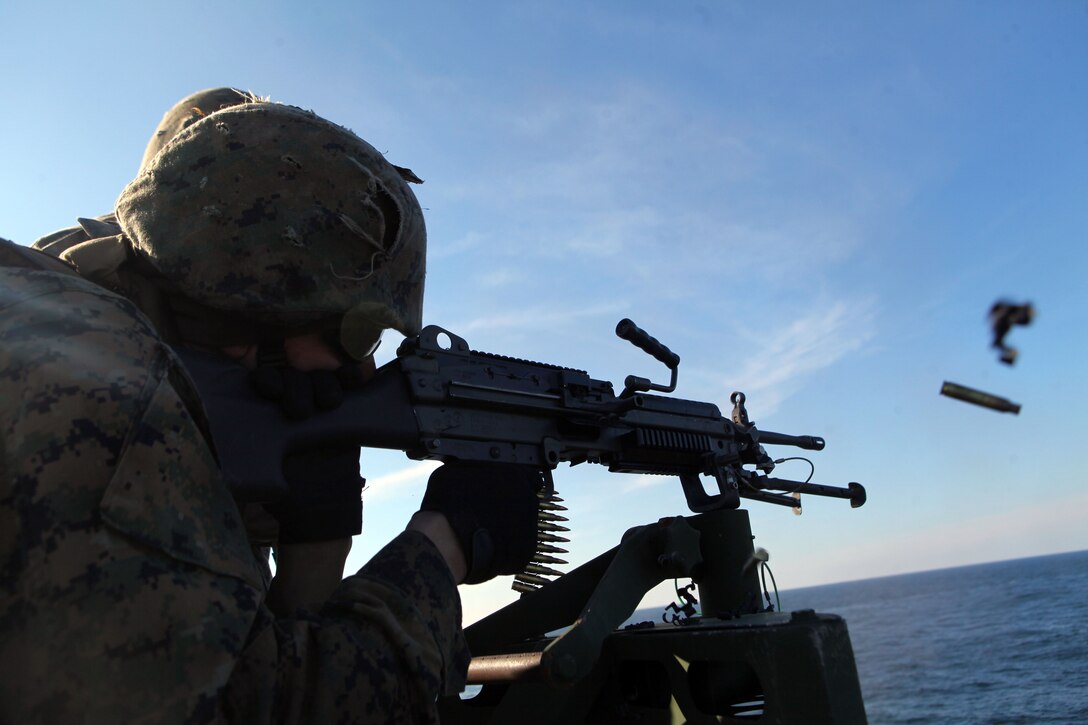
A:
[(977, 397)]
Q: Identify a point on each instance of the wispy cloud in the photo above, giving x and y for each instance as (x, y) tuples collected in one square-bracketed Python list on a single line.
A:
[(645, 190), (612, 231), (644, 481), (400, 483), (468, 242), (781, 360), (500, 277), (540, 317)]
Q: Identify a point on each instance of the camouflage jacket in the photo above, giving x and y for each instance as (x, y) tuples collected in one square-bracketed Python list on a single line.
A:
[(128, 590)]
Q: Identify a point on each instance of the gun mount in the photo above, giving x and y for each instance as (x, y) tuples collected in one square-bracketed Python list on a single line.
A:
[(735, 662)]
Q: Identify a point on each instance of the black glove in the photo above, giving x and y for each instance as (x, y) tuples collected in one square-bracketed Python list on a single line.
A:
[(492, 508), (324, 496), (301, 394)]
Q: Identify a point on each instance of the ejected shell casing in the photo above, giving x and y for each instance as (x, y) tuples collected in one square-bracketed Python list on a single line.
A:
[(970, 395)]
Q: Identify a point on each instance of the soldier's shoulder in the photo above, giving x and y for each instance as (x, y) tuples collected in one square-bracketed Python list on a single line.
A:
[(51, 317), (16, 256)]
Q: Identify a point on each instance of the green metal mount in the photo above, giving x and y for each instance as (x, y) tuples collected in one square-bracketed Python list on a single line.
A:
[(734, 663)]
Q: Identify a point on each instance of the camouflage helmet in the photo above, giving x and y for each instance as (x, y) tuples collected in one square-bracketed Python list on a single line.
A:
[(273, 214), (188, 111)]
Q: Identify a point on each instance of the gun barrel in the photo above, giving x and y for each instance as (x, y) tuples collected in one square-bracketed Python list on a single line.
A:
[(809, 443)]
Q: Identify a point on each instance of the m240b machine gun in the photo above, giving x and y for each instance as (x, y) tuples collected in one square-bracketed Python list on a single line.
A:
[(737, 661)]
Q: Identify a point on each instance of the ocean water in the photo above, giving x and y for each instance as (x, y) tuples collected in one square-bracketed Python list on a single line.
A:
[(1000, 643), (1005, 642)]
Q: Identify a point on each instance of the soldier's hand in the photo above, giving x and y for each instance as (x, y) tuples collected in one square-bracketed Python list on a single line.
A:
[(324, 496), (306, 574), (305, 375), (492, 509)]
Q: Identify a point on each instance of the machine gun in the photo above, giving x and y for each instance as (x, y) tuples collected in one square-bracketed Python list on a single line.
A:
[(441, 400)]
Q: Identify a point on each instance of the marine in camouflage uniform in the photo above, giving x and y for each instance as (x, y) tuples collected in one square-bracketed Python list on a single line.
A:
[(128, 588)]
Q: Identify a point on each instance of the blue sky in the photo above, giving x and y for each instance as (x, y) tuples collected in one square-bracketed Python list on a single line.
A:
[(815, 204)]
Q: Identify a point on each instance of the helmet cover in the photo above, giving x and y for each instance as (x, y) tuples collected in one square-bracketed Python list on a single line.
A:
[(273, 213), (188, 111)]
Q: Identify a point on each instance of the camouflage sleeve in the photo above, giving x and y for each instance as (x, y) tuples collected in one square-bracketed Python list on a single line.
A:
[(128, 590), (380, 651)]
